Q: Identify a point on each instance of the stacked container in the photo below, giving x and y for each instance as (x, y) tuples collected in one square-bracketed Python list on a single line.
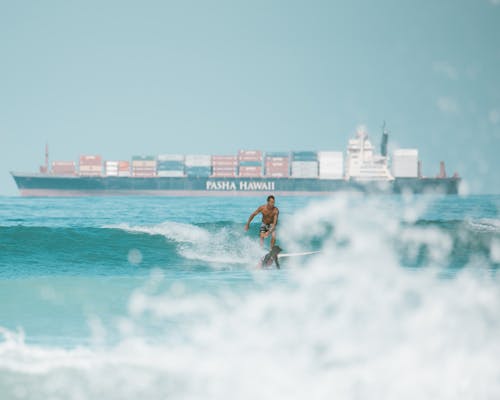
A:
[(90, 166), (331, 164), (111, 168), (198, 165), (277, 165), (304, 164), (171, 165), (224, 166), (63, 167), (123, 168), (117, 168), (143, 166), (250, 163), (405, 163)]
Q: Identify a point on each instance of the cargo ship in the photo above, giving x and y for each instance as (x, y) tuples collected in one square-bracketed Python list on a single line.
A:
[(247, 173)]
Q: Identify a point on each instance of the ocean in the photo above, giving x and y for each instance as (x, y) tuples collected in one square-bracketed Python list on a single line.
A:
[(156, 298)]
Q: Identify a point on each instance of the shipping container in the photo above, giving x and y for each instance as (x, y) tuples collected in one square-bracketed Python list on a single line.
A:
[(277, 159), (198, 171), (250, 175), (304, 156), (140, 164), (143, 174), (277, 164), (253, 153), (171, 173), (304, 169), (250, 163), (198, 160), (250, 168), (170, 165), (224, 158), (405, 163), (143, 158), (171, 157), (90, 168), (90, 160), (278, 154), (63, 163), (273, 174), (223, 173), (224, 164)]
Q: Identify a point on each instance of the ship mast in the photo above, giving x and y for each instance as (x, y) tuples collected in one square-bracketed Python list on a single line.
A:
[(44, 169)]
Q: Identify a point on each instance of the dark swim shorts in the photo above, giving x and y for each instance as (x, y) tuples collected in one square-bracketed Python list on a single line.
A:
[(265, 228)]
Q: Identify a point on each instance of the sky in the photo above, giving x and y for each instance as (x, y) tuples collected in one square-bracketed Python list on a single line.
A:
[(119, 78)]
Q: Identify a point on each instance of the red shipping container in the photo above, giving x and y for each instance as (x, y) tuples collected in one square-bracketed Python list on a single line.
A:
[(273, 159), (63, 163), (123, 165), (250, 152), (224, 158), (225, 164), (223, 175), (250, 169), (277, 165), (250, 175), (223, 168), (90, 160), (250, 159)]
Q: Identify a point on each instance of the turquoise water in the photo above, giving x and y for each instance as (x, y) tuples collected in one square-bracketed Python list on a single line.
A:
[(160, 297)]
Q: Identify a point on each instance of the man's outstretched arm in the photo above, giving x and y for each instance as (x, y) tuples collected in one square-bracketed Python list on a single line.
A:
[(252, 216)]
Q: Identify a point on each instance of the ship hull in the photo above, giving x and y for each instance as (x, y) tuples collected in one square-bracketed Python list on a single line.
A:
[(40, 185)]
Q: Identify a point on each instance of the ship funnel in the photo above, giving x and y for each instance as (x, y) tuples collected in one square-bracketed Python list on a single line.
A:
[(385, 139)]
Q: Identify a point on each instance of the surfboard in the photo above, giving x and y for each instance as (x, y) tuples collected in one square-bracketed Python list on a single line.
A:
[(304, 253)]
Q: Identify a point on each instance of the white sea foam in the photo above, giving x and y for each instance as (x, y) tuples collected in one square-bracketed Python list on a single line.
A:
[(219, 246), (351, 324)]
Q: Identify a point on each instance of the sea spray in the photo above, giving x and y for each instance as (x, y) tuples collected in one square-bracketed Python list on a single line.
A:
[(350, 322)]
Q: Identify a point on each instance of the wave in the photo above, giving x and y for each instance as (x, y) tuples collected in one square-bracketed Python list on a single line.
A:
[(222, 244)]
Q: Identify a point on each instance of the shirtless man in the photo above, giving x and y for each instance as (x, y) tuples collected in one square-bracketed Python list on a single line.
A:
[(269, 220)]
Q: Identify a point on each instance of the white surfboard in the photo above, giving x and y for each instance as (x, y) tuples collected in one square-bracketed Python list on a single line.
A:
[(305, 253)]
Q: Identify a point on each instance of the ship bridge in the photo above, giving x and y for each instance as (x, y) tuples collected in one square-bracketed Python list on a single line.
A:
[(362, 163)]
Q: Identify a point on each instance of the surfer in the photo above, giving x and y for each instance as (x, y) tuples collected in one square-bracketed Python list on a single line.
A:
[(269, 220)]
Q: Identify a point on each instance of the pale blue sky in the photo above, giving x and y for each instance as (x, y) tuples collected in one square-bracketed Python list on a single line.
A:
[(118, 78)]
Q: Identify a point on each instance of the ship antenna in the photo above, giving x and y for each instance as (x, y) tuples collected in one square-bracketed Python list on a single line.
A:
[(46, 156)]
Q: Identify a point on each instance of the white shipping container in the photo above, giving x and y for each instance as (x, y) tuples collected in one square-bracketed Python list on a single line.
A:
[(90, 168), (123, 173), (277, 174), (304, 164), (143, 163), (171, 173), (198, 160), (405, 163), (171, 157), (305, 175)]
